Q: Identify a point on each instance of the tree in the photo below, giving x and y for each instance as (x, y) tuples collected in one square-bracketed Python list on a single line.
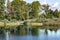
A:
[(2, 9), (59, 14), (56, 15), (9, 9), (49, 13), (45, 8), (20, 9), (36, 6)]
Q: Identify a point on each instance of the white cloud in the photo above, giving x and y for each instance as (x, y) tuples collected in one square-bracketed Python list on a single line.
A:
[(11, 0), (44, 2), (55, 5)]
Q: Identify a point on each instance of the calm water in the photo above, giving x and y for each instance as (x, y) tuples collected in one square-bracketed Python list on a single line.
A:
[(34, 34)]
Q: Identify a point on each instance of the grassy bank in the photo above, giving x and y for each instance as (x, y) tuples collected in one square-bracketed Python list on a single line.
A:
[(8, 24)]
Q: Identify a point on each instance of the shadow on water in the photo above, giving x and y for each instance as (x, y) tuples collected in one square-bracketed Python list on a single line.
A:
[(34, 31)]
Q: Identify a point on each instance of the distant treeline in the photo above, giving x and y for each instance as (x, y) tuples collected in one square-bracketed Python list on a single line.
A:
[(21, 10)]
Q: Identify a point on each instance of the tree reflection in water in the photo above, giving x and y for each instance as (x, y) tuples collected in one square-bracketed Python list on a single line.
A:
[(32, 33)]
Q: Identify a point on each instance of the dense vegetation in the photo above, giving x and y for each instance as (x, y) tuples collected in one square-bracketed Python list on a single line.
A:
[(21, 10)]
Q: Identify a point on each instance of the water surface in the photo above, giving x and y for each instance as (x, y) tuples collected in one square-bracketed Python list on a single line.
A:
[(34, 34)]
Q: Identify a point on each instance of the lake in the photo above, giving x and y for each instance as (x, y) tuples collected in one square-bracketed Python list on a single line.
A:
[(32, 34)]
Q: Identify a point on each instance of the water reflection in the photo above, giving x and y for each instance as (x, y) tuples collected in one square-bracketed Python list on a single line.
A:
[(2, 37), (32, 34), (7, 35)]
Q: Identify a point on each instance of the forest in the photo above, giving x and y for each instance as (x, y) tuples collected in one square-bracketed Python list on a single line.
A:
[(21, 10)]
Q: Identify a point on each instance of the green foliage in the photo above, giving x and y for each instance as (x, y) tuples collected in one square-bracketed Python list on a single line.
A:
[(49, 13), (21, 10), (36, 8), (2, 8)]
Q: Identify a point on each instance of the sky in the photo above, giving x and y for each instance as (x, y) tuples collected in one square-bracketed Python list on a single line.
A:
[(54, 4)]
